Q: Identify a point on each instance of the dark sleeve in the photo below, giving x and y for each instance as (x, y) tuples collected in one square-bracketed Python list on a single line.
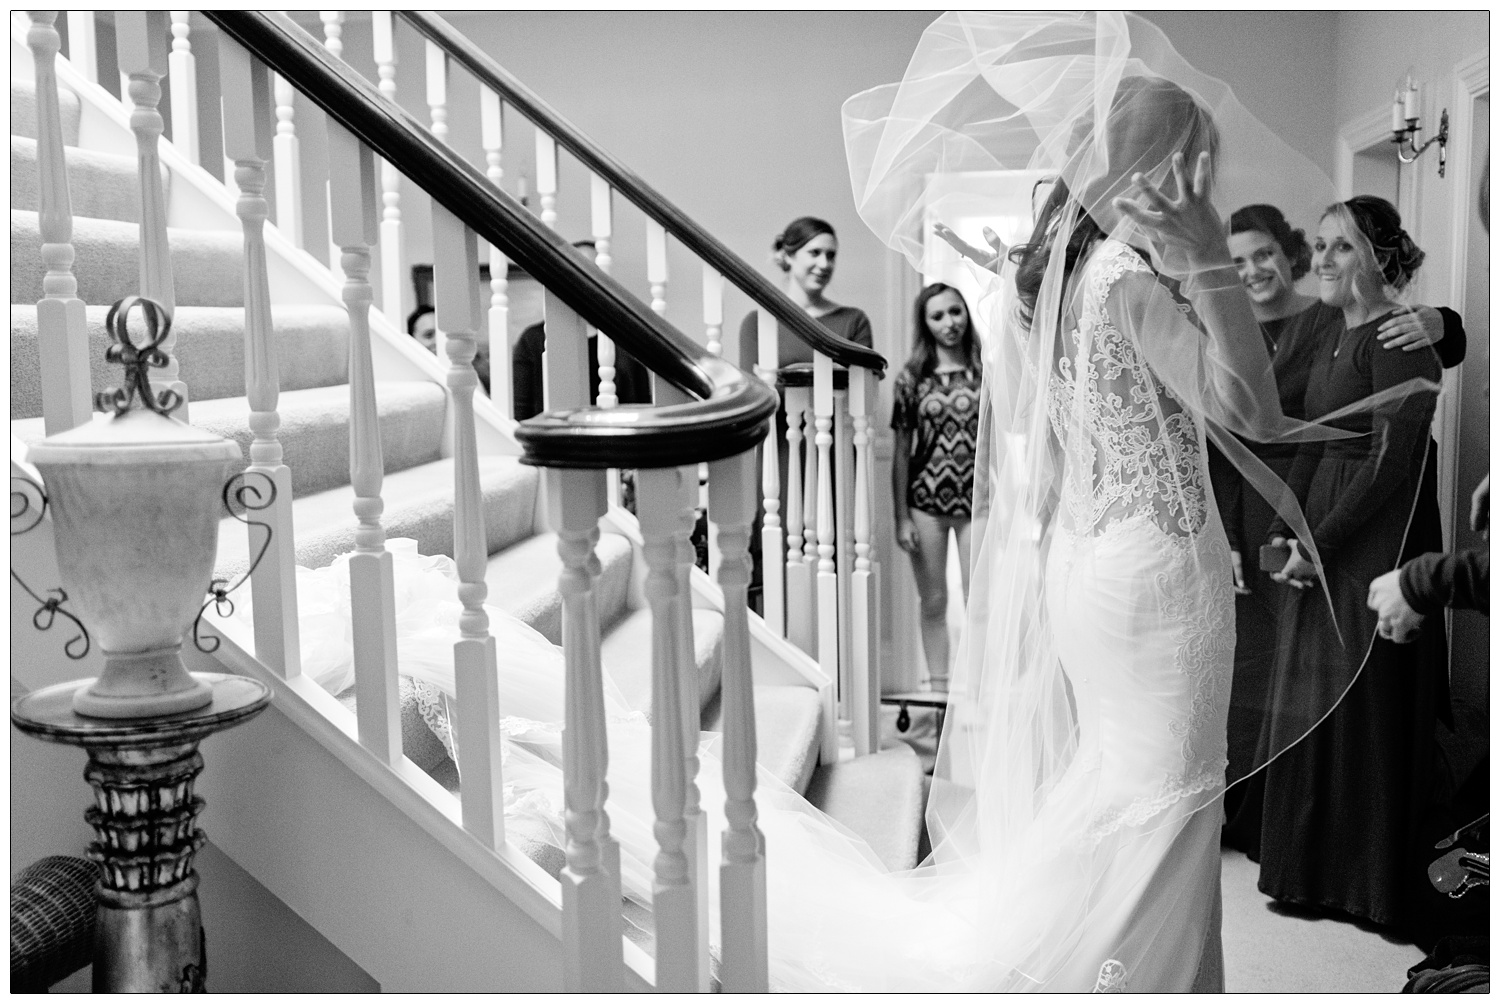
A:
[(1399, 431), (526, 373), (632, 381), (1430, 582), (1229, 493), (1455, 344), (1298, 479), (749, 342), (861, 331), (903, 403)]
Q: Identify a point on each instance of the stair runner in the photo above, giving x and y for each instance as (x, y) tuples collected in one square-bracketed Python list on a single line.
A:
[(880, 797)]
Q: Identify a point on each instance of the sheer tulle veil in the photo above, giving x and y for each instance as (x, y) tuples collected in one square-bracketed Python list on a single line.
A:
[(1092, 100)]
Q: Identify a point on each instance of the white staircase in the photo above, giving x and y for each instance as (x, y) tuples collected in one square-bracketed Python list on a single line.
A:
[(374, 855)]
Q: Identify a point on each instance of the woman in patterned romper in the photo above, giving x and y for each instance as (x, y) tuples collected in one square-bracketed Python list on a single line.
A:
[(936, 419)]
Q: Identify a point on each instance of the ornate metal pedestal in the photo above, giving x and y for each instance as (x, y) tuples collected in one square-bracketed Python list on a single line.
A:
[(150, 930)]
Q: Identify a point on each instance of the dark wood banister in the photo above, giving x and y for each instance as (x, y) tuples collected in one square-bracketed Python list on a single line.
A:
[(733, 411), (647, 199)]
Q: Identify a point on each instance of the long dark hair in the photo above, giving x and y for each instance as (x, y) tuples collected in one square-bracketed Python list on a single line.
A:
[(924, 347), (1263, 219), (1178, 124)]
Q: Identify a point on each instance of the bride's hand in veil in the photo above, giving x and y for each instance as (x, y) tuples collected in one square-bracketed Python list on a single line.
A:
[(1190, 222), (986, 259)]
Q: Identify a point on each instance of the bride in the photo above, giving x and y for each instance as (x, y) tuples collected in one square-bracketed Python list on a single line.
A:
[(1074, 814)]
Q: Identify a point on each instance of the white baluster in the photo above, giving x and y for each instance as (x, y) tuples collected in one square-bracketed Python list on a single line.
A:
[(772, 555), (183, 76), (83, 44), (713, 309), (592, 956), (437, 88), (696, 843), (565, 380), (141, 41), (455, 288), (601, 225), (288, 164), (799, 596), (674, 898), (372, 585), (656, 265), (742, 876), (333, 31), (843, 524), (62, 327), (333, 41), (546, 176), (246, 89), (865, 699), (394, 295), (492, 138), (828, 583)]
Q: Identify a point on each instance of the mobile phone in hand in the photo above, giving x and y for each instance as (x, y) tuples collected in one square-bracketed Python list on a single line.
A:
[(1273, 557)]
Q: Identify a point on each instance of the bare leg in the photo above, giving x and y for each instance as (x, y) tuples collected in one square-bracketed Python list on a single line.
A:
[(961, 535), (930, 565)]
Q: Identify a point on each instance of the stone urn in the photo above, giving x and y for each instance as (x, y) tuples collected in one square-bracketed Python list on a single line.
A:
[(136, 498)]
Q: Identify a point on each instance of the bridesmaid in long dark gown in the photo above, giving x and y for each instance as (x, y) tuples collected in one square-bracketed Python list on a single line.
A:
[(1342, 807), (1271, 257)]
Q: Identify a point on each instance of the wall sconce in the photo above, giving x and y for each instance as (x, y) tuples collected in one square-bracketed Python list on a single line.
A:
[(1406, 128)]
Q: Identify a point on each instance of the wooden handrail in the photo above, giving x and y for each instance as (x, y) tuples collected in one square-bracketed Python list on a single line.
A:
[(647, 199), (733, 409)]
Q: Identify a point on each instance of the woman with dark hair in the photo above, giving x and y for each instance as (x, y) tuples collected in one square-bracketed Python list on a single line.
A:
[(1342, 808), (936, 419), (1272, 257), (806, 252)]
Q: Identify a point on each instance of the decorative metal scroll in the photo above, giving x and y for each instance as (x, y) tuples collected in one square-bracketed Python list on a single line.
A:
[(138, 360), (28, 504), (240, 496)]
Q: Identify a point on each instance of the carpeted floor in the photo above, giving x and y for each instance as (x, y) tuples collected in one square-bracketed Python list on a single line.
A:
[(1267, 948)]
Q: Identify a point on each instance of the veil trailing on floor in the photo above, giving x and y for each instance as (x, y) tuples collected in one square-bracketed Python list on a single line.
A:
[(1086, 730), (1095, 413)]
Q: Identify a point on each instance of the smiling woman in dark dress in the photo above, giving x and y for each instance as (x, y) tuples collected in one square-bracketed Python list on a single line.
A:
[(1271, 257), (1342, 807)]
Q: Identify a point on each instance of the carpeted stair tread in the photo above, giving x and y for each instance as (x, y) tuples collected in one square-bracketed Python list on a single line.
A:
[(627, 656), (880, 797), (100, 185), (207, 265), (788, 724), (23, 110), (312, 350), (314, 430), (523, 581), (418, 504)]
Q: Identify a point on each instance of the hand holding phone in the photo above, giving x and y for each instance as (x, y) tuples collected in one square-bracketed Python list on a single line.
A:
[(1273, 557)]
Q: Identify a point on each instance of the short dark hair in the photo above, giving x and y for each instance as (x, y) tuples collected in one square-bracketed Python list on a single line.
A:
[(1263, 219)]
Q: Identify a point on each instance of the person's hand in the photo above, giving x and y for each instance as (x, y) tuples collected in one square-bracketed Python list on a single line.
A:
[(985, 258), (1479, 508), (1237, 566), (1190, 221), (1398, 621), (1411, 329), (906, 534), (1298, 572)]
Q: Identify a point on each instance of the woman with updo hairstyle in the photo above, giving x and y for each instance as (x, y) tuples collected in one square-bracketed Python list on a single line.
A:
[(1272, 257), (1342, 808), (805, 252)]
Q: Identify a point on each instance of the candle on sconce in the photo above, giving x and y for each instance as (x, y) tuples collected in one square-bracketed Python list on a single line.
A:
[(1398, 123), (1410, 101)]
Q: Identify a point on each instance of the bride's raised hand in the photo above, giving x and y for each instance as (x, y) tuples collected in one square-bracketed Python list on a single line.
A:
[(1189, 222), (987, 259)]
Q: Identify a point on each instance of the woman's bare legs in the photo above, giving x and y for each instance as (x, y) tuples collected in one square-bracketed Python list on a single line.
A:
[(930, 566)]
